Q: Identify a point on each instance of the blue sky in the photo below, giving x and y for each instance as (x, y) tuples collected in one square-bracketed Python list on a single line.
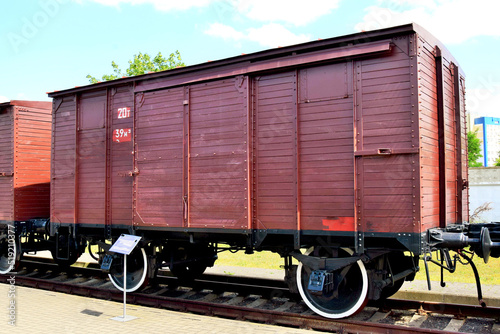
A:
[(48, 45)]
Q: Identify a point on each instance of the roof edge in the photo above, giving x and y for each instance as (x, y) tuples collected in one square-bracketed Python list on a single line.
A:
[(354, 38), (27, 103)]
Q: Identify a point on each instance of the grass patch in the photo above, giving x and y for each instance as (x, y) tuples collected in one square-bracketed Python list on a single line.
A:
[(489, 273), (265, 260)]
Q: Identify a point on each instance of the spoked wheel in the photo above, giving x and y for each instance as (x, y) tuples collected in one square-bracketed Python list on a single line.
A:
[(136, 270), (10, 255), (348, 296)]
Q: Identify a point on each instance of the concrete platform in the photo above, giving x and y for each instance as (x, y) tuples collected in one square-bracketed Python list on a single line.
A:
[(40, 311)]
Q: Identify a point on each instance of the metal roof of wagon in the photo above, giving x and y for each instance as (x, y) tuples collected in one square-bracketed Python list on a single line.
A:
[(28, 104), (276, 53)]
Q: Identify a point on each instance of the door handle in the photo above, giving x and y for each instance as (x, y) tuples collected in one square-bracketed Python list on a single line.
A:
[(185, 207), (134, 172), (384, 151)]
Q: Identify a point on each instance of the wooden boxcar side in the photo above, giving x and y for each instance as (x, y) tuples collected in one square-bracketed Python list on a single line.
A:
[(25, 160), (361, 136), (7, 163), (443, 138)]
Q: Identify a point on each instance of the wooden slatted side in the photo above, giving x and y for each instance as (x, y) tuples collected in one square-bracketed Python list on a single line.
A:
[(385, 101), (63, 160), (451, 155), (387, 195), (429, 142), (326, 148), (32, 162), (7, 163), (218, 154), (275, 195), (159, 158), (121, 159), (386, 163), (91, 158)]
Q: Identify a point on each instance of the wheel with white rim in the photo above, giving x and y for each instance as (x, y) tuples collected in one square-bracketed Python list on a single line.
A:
[(10, 255), (136, 271), (350, 293)]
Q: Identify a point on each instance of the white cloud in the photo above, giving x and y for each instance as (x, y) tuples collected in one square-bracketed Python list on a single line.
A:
[(290, 11), (224, 31), (3, 99), (451, 21), (269, 35), (293, 12), (483, 102), (163, 5), (274, 35)]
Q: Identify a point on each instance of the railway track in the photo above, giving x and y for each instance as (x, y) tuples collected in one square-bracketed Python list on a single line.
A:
[(260, 300)]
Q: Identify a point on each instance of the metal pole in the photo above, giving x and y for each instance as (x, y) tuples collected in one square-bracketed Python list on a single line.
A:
[(124, 286)]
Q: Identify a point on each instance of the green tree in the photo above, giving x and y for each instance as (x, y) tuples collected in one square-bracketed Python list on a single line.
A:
[(141, 64), (474, 147), (497, 161)]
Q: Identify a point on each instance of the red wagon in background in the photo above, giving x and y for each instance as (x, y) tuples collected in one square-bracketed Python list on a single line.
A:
[(353, 148), (25, 132)]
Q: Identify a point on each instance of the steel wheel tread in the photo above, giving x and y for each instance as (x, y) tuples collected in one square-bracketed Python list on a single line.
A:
[(323, 305), (135, 280)]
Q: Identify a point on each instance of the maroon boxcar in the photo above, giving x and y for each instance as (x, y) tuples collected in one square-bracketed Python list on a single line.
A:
[(353, 147), (25, 131)]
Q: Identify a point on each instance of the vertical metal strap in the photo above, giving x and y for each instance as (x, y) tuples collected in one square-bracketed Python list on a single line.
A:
[(255, 148), (138, 101), (77, 130), (108, 124), (249, 150), (185, 169), (441, 137), (458, 137), (296, 124), (358, 161), (55, 107)]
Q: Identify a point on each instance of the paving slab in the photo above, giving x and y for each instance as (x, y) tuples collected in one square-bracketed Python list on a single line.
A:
[(41, 311)]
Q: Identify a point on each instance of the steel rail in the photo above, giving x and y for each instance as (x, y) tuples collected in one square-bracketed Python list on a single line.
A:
[(48, 276)]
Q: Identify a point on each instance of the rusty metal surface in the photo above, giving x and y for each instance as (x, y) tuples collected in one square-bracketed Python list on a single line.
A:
[(25, 159)]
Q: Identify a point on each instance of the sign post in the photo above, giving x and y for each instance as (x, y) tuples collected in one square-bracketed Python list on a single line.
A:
[(125, 245)]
